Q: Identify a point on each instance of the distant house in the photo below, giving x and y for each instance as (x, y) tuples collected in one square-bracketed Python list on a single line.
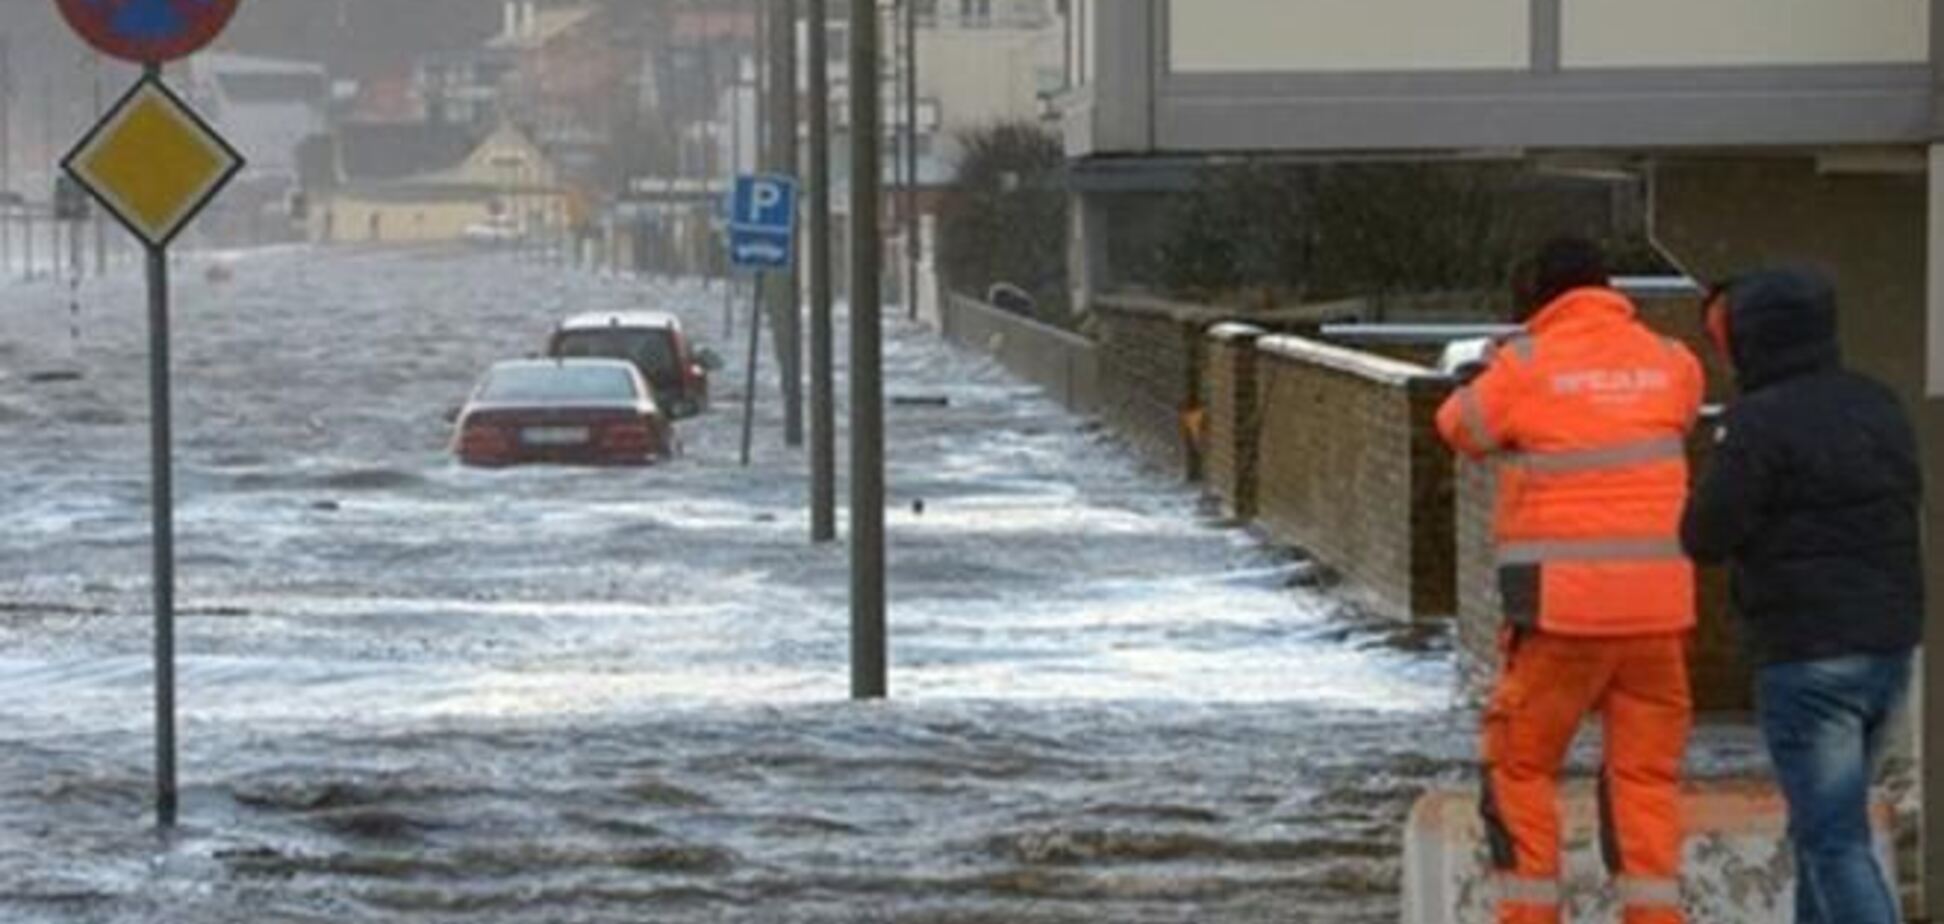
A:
[(570, 82), (428, 183)]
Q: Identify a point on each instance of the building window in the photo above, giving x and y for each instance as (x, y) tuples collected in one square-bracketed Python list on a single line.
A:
[(976, 12)]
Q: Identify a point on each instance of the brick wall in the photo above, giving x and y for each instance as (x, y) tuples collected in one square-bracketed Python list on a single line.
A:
[(1150, 370), (1720, 673), (1231, 423), (1349, 468)]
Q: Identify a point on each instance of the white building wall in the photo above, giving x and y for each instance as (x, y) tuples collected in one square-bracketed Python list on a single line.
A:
[(981, 76), (1282, 36), (1731, 33)]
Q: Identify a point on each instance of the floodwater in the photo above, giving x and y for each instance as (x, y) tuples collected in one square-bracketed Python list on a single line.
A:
[(413, 692)]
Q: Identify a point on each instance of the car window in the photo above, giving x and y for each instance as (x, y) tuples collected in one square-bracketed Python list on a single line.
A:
[(559, 383), (651, 350)]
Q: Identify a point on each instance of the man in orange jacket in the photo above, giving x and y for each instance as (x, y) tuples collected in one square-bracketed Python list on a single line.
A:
[(1585, 415)]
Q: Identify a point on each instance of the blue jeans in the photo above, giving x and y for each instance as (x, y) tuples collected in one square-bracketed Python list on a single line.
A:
[(1825, 723)]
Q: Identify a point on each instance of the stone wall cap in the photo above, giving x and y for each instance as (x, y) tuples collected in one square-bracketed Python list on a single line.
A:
[(1355, 362), (1150, 306), (965, 302), (1235, 330)]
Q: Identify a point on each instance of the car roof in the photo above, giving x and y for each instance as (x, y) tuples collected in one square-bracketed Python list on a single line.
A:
[(573, 363), (660, 320)]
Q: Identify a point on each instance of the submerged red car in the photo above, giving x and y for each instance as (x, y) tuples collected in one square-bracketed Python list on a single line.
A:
[(654, 343), (563, 411)]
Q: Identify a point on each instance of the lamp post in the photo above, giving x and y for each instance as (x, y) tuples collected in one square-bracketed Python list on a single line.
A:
[(823, 419), (913, 245), (868, 656)]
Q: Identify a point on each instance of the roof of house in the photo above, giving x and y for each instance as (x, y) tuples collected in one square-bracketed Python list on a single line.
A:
[(369, 151), (549, 23)]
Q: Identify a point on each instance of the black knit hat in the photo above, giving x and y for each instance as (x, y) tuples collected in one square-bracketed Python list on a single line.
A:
[(1562, 264)]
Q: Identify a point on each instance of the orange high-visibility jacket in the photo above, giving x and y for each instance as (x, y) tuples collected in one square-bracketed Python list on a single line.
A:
[(1586, 416)]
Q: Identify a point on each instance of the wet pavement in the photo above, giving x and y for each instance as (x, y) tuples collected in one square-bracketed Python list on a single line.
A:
[(413, 692)]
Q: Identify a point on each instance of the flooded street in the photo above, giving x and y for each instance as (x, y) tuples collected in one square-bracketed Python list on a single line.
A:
[(414, 692)]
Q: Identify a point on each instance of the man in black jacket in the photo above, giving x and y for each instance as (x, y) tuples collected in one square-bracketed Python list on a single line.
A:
[(1813, 500)]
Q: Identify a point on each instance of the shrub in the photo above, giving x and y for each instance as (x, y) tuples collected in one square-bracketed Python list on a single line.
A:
[(1004, 218)]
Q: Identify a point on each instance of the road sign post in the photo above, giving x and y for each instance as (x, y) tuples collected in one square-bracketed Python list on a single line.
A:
[(750, 380), (154, 165), (762, 238)]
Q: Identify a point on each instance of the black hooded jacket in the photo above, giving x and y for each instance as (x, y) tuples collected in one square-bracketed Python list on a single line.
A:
[(1813, 496)]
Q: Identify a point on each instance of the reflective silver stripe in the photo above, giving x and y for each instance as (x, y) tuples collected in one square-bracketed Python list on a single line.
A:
[(1521, 346), (1555, 550), (1475, 425), (1517, 890), (1642, 892), (1591, 460)]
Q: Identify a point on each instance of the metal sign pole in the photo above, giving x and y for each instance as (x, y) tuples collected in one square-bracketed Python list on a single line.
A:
[(749, 379), (162, 475), (112, 162)]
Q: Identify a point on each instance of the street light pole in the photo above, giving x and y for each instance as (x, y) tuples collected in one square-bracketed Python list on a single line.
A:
[(823, 412), (100, 221), (47, 155), (6, 149), (785, 303), (912, 244), (729, 282), (868, 657)]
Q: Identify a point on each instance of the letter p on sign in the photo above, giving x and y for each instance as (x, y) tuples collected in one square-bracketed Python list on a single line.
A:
[(765, 203)]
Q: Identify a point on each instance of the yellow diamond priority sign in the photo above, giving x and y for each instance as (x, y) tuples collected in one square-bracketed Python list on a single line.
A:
[(153, 162)]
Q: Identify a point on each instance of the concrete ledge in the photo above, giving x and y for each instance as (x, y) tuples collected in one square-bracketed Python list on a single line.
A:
[(1152, 307), (1739, 870), (1357, 363), (1229, 332), (1040, 328)]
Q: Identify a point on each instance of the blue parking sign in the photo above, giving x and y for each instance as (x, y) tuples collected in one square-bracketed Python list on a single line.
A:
[(762, 222)]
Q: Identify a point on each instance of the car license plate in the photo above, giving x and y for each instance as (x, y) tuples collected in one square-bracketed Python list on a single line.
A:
[(554, 436)]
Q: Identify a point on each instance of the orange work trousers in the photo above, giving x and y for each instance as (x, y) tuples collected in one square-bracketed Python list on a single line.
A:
[(1639, 686)]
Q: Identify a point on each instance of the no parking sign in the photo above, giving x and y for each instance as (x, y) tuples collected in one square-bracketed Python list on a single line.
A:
[(148, 31)]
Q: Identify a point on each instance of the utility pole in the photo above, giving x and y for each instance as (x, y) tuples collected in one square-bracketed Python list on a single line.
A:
[(823, 386), (786, 311), (760, 121), (868, 655), (912, 244), (730, 283), (100, 220), (712, 262), (6, 150), (48, 157)]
